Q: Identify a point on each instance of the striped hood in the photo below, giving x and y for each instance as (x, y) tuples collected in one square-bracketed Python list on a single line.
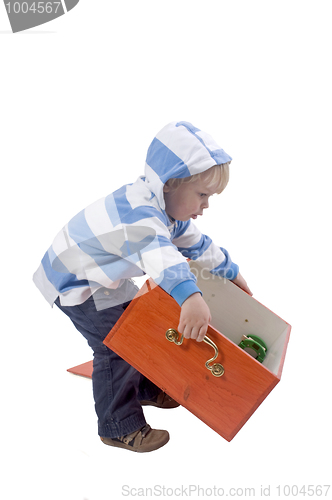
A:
[(180, 150)]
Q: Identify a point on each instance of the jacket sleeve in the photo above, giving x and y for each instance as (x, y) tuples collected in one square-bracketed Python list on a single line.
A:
[(197, 246), (147, 245)]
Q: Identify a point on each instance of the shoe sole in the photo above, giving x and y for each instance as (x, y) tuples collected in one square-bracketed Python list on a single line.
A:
[(129, 448)]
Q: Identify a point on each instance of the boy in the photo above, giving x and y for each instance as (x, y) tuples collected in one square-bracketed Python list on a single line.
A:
[(145, 227)]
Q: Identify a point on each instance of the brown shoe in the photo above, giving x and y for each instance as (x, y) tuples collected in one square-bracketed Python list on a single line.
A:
[(143, 440), (163, 400)]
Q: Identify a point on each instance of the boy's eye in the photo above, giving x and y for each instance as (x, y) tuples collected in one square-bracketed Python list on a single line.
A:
[(202, 194)]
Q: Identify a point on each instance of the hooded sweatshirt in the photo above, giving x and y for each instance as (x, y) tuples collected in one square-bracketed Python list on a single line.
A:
[(128, 233)]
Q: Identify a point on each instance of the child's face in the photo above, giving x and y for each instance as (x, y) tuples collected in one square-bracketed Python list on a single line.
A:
[(189, 199)]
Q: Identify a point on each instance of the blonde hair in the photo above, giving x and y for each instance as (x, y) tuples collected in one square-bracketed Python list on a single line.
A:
[(218, 175)]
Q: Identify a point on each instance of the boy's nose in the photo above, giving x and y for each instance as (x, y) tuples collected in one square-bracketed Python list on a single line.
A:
[(205, 204)]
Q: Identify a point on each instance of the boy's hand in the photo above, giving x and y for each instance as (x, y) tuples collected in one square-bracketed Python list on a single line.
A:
[(194, 318), (241, 283)]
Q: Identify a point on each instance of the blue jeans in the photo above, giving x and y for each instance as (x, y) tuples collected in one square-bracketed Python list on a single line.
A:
[(117, 387)]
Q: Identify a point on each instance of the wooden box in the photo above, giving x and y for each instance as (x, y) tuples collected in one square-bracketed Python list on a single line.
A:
[(223, 401)]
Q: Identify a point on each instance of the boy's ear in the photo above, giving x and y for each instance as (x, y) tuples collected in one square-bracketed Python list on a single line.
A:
[(166, 188)]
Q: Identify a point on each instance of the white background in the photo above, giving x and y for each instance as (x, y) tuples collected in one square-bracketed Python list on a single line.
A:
[(81, 99)]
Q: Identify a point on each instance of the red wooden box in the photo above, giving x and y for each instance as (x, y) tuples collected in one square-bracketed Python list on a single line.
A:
[(223, 402)]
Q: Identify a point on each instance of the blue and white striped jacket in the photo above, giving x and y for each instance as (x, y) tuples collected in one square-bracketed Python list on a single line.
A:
[(128, 233)]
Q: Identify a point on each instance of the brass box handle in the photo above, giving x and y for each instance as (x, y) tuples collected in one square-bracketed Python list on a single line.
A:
[(216, 369)]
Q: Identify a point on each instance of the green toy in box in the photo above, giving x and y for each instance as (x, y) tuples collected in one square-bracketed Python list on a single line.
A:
[(254, 346)]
